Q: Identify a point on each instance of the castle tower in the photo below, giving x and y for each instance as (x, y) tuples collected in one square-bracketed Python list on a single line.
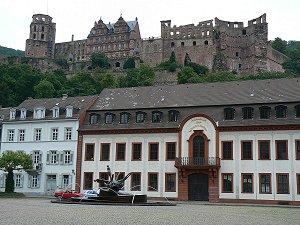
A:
[(42, 37)]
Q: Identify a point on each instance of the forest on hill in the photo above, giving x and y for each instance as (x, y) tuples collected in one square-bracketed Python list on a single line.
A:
[(8, 52)]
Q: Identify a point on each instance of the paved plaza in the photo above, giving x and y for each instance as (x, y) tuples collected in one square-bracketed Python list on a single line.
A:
[(41, 211)]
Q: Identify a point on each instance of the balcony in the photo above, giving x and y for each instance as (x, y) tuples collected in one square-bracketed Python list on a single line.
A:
[(197, 162), (36, 168)]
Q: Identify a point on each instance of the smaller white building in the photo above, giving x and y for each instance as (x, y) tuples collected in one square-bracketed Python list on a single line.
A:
[(47, 130)]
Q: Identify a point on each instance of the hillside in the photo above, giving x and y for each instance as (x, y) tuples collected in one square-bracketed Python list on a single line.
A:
[(6, 52)]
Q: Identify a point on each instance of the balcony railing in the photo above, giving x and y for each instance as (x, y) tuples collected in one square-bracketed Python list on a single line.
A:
[(197, 162)]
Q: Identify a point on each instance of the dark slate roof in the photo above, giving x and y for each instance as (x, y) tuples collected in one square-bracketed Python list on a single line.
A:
[(4, 113), (203, 94), (131, 25)]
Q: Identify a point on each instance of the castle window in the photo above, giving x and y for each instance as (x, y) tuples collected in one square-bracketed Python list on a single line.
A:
[(237, 54), (42, 36), (280, 111), (244, 32), (172, 44), (235, 25), (156, 117), (194, 43), (265, 112), (297, 111), (43, 29), (182, 44), (240, 66), (117, 64), (207, 33), (254, 22), (34, 36), (205, 42), (229, 113), (172, 33), (34, 28), (247, 113), (202, 33)]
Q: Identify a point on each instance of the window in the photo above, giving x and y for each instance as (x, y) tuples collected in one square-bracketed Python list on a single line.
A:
[(135, 181), (263, 149), (65, 181), (36, 157), (194, 43), (152, 181), (244, 32), (23, 114), (105, 151), (121, 150), (237, 54), (281, 149), (18, 180), (109, 118), (88, 180), (170, 182), (34, 181), (38, 134), (247, 184), (247, 113), (297, 147), (298, 183), (265, 183), (136, 151), (68, 134), (69, 111), (67, 157), (227, 147), (54, 134), (246, 150), (94, 118), (172, 44), (205, 42), (124, 117), (140, 117), (173, 116), (153, 151), (89, 152), (264, 112), (282, 183), (11, 134), (297, 111), (21, 135), (171, 150), (55, 112), (12, 114), (280, 111), (229, 113), (39, 113), (156, 117), (182, 44), (103, 176), (52, 157), (227, 182)]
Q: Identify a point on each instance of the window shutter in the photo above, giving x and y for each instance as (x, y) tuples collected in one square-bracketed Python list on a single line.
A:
[(22, 180), (70, 182), (61, 181), (29, 181), (38, 182), (71, 157), (61, 157), (31, 155), (48, 158), (40, 160), (2, 181)]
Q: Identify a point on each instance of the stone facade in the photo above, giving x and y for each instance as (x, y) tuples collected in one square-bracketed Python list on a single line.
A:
[(219, 45)]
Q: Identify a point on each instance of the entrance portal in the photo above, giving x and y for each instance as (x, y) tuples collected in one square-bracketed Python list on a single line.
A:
[(51, 184), (198, 187)]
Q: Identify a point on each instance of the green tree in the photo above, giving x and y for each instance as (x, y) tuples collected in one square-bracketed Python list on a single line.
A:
[(100, 60), (142, 76), (187, 75), (10, 161), (171, 64), (44, 89), (129, 64), (81, 84), (279, 44)]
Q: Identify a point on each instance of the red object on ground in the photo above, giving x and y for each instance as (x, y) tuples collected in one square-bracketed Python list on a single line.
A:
[(67, 194)]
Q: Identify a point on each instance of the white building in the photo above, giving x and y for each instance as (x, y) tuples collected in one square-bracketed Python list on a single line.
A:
[(46, 129), (222, 142)]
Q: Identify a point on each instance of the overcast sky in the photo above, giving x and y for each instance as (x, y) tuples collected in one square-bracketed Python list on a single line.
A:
[(78, 16)]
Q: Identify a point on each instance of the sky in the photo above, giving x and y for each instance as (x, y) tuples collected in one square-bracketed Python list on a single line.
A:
[(78, 16)]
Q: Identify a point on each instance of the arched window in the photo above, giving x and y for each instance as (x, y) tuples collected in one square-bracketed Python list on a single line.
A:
[(229, 113), (247, 113), (280, 111), (124, 117), (264, 112), (109, 118), (117, 64), (297, 111), (194, 43), (94, 118), (172, 44), (173, 115), (140, 117), (205, 42), (156, 116)]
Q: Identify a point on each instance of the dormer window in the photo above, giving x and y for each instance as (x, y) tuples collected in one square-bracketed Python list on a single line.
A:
[(39, 113), (109, 118), (229, 113), (156, 117), (94, 118), (265, 112), (55, 112), (280, 111), (69, 111), (297, 111), (173, 115), (140, 117), (23, 114), (247, 113), (12, 114), (124, 117)]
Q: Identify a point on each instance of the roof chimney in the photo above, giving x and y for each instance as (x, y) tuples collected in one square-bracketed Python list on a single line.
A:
[(64, 96), (72, 38)]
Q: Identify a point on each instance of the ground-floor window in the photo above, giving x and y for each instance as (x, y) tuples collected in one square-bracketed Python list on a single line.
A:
[(34, 181), (282, 183), (18, 180), (265, 183), (247, 183), (152, 181), (88, 180), (227, 182), (135, 181), (170, 182)]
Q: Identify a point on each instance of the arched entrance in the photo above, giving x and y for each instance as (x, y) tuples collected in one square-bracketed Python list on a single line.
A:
[(198, 187)]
